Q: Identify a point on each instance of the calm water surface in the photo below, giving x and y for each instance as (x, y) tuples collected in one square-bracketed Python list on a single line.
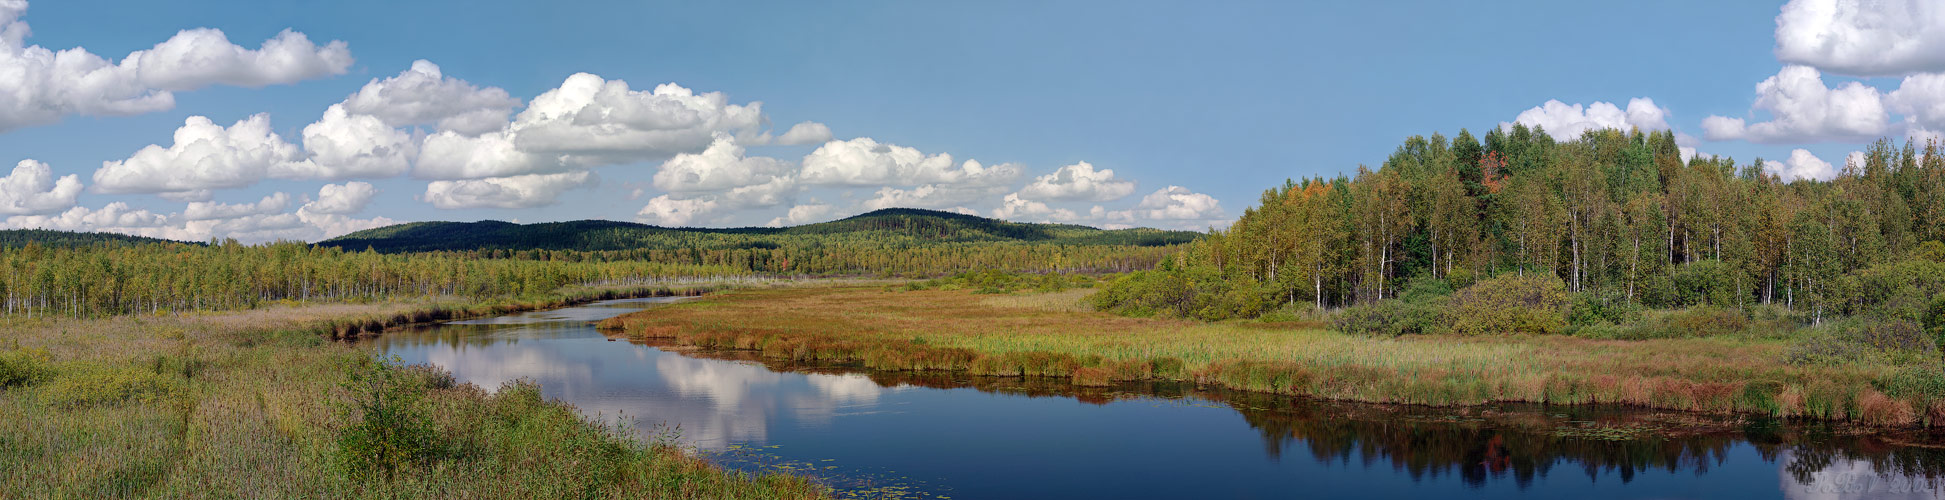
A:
[(973, 438)]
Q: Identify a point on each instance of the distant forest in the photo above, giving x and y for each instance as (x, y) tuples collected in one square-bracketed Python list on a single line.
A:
[(93, 274), (894, 241)]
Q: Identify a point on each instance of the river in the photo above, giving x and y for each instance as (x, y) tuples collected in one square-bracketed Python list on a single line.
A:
[(939, 436)]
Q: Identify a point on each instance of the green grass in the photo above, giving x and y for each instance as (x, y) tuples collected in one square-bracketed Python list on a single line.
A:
[(1039, 335), (257, 404)]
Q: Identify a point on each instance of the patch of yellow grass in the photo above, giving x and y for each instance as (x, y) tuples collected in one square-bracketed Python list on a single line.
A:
[(1051, 334)]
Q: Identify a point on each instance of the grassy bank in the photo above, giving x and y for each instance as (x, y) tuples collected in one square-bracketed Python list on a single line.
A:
[(260, 404), (1052, 334)]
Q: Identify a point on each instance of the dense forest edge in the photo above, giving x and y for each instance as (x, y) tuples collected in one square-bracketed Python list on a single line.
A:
[(1610, 237)]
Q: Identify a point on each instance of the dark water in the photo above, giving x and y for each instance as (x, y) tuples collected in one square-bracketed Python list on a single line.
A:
[(917, 436)]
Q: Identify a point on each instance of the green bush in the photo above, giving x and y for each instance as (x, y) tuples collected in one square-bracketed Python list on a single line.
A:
[(1903, 290), (390, 429), (1425, 289), (1590, 309), (1389, 317), (1197, 292), (1534, 303), (1863, 341), (20, 367), (1935, 320), (1709, 283)]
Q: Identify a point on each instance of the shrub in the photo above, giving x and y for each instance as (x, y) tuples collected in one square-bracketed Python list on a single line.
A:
[(390, 429), (1709, 283), (1591, 309), (1934, 320), (1198, 292), (1931, 250), (1893, 341), (1534, 303), (19, 367), (1425, 289), (1904, 290), (1388, 317)]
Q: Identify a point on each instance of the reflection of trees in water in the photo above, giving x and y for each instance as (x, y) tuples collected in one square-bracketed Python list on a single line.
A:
[(1478, 448), (1816, 450), (1480, 444)]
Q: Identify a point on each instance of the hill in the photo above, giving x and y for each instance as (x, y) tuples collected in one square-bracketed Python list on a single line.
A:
[(895, 227), (21, 237)]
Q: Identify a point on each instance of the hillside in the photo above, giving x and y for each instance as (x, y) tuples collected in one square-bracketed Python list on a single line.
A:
[(44, 237), (889, 227)]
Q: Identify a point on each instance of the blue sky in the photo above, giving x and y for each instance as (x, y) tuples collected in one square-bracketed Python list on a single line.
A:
[(1195, 108)]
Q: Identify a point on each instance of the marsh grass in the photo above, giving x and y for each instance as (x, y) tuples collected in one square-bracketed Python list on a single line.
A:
[(1019, 336), (251, 404)]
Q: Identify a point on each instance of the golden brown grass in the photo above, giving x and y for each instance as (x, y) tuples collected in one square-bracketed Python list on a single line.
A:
[(1041, 335)]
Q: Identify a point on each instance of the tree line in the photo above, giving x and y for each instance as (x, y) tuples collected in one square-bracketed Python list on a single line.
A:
[(108, 278), (1620, 215)]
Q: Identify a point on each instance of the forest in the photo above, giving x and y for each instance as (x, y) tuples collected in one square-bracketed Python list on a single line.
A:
[(1599, 228)]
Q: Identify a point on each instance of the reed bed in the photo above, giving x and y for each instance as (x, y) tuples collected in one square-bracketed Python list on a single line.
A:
[(886, 329)]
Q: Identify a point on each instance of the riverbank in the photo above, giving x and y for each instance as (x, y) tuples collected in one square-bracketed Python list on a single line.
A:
[(1055, 335), (259, 403)]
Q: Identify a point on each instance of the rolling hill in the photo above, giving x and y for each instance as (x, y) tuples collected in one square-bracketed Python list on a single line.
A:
[(46, 237), (887, 227)]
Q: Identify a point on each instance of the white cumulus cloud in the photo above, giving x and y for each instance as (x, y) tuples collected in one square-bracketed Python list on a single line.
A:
[(1921, 99), (605, 120), (865, 162), (201, 57), (208, 210), (722, 166), (344, 145), (1803, 109), (804, 214), (666, 211), (1801, 165), (1567, 122), (1078, 182), (1180, 204), (423, 95), (341, 199), (32, 189), (805, 133), (39, 86), (204, 156), (1863, 37), (519, 191)]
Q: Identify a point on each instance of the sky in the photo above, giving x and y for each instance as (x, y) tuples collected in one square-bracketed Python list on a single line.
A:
[(301, 120)]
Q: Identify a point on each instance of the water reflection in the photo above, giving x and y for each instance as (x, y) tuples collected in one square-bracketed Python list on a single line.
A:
[(983, 437), (710, 403)]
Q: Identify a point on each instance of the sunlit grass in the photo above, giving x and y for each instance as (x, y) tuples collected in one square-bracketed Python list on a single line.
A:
[(1044, 334)]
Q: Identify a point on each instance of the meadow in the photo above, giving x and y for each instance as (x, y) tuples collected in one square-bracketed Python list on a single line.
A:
[(1056, 334), (262, 404)]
